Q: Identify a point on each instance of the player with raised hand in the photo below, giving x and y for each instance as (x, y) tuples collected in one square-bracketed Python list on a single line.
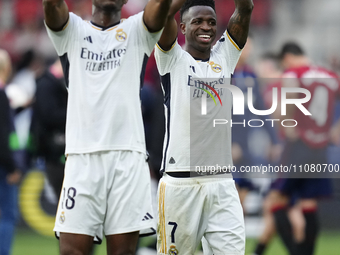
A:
[(192, 207), (107, 182)]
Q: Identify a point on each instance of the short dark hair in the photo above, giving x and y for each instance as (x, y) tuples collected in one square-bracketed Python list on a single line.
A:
[(190, 3), (292, 48)]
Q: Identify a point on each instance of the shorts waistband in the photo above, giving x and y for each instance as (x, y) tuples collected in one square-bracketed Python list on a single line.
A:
[(191, 174), (194, 180)]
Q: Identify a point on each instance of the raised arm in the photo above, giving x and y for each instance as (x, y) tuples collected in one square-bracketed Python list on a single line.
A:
[(169, 34), (155, 14), (56, 14), (238, 25)]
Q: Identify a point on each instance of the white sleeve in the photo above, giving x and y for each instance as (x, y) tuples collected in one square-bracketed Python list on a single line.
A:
[(61, 39), (227, 47), (145, 38), (165, 60)]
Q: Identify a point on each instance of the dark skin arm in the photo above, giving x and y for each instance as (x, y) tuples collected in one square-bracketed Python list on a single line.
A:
[(56, 14), (238, 25), (155, 14), (169, 34)]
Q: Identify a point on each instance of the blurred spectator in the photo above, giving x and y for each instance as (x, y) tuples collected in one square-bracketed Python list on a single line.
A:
[(21, 93), (269, 73), (306, 145), (9, 173), (48, 123), (25, 77), (334, 62)]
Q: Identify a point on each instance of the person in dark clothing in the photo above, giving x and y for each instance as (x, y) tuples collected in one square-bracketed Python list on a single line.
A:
[(9, 174), (48, 124)]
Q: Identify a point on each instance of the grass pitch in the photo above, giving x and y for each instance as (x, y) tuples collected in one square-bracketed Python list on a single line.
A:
[(27, 242)]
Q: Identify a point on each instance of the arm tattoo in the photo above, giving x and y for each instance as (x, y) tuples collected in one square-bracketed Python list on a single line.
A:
[(238, 25)]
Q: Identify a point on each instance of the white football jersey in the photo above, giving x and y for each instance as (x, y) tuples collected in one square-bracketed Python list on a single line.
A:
[(178, 70), (104, 70)]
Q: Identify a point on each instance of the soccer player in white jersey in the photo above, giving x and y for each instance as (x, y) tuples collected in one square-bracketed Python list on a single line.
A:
[(107, 184), (192, 207)]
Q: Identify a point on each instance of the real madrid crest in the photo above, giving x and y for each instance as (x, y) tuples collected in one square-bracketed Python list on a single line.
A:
[(215, 67), (121, 35), (62, 217), (173, 250)]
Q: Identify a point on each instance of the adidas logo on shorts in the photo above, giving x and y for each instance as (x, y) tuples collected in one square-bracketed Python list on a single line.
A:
[(147, 217)]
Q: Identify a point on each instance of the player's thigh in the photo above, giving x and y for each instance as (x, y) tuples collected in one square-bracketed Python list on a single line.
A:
[(129, 205), (71, 244), (180, 223), (82, 204), (122, 243), (225, 232)]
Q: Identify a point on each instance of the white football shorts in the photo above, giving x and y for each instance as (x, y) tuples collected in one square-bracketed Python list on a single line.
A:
[(192, 208), (106, 192)]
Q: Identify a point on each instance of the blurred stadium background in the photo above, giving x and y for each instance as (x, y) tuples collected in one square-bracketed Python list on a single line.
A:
[(314, 24)]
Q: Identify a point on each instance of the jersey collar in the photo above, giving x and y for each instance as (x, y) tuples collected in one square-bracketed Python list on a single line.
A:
[(202, 60), (101, 28)]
